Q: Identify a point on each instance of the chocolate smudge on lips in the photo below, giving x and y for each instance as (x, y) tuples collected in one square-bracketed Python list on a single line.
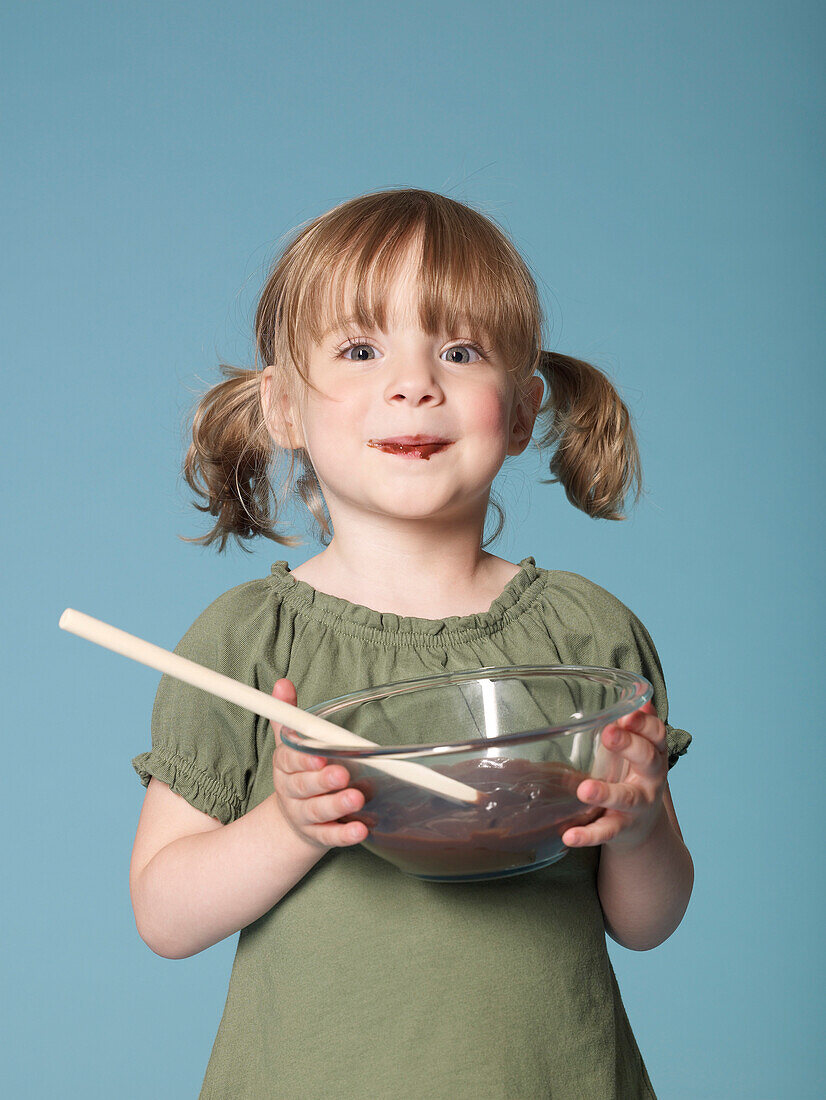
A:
[(411, 446)]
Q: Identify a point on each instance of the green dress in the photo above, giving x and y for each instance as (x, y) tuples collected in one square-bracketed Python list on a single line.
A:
[(366, 982)]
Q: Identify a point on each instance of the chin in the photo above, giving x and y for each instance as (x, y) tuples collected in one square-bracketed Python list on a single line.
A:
[(415, 506)]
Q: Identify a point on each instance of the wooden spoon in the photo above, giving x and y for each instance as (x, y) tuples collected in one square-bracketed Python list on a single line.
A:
[(324, 734)]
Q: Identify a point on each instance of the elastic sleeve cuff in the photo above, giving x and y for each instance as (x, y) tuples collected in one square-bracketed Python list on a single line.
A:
[(203, 791), (677, 741)]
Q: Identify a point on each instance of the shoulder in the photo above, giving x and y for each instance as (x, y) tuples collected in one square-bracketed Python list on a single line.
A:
[(595, 627), (575, 593), (243, 599), (599, 629), (235, 620)]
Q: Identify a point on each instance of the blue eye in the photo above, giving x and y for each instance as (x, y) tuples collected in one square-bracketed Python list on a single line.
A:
[(461, 348), (361, 345), (353, 347)]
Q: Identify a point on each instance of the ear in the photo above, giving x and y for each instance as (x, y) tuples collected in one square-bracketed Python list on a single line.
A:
[(282, 423), (523, 416)]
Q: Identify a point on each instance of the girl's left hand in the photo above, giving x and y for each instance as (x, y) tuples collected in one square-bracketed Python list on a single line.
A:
[(632, 807)]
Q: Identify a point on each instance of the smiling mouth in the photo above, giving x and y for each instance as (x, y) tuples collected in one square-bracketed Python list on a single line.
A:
[(412, 448)]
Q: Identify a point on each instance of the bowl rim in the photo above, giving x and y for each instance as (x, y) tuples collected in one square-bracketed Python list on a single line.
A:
[(639, 687)]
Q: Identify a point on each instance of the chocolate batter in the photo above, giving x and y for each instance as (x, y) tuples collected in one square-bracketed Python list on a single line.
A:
[(525, 809)]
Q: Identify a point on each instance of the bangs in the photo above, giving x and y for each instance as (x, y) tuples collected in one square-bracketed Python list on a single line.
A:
[(470, 280)]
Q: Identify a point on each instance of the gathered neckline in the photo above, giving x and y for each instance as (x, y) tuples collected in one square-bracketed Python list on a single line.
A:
[(518, 594)]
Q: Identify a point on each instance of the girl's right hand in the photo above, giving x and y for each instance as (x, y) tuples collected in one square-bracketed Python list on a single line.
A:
[(303, 786)]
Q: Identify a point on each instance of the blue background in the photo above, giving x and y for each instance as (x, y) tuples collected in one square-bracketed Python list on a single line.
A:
[(659, 166)]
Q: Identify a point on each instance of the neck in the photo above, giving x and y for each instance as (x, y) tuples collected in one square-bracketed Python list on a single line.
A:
[(413, 570)]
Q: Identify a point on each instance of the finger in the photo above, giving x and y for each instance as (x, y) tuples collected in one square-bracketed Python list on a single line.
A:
[(284, 690), (643, 755), (647, 725), (310, 784), (290, 760), (605, 828), (611, 796), (327, 808), (334, 835)]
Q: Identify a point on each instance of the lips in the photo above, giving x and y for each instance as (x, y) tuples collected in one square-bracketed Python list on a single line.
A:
[(411, 446)]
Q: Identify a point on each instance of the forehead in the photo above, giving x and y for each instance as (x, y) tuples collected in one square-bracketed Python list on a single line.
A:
[(380, 291), (386, 297)]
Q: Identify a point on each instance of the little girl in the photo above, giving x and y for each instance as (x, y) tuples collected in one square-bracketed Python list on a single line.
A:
[(401, 364)]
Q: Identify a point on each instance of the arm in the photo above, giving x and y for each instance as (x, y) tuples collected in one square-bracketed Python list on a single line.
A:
[(644, 891), (194, 881), (646, 873)]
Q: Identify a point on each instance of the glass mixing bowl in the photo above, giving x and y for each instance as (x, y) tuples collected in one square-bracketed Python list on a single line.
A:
[(526, 736)]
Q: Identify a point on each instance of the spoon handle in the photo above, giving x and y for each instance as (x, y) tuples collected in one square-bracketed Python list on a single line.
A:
[(325, 733)]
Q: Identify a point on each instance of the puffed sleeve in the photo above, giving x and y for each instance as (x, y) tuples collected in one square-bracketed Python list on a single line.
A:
[(633, 649), (204, 747), (590, 626)]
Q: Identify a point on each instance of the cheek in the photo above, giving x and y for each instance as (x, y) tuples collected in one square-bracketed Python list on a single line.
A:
[(489, 413), (331, 426)]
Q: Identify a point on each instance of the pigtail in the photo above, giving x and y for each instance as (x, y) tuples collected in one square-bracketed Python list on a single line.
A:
[(227, 463), (596, 457)]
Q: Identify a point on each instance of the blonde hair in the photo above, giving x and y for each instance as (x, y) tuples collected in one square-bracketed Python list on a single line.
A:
[(342, 264)]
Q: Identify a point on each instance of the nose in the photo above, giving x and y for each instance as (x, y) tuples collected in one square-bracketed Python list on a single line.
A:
[(414, 381)]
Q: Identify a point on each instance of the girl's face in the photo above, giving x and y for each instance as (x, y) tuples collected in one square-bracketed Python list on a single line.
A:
[(409, 425)]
